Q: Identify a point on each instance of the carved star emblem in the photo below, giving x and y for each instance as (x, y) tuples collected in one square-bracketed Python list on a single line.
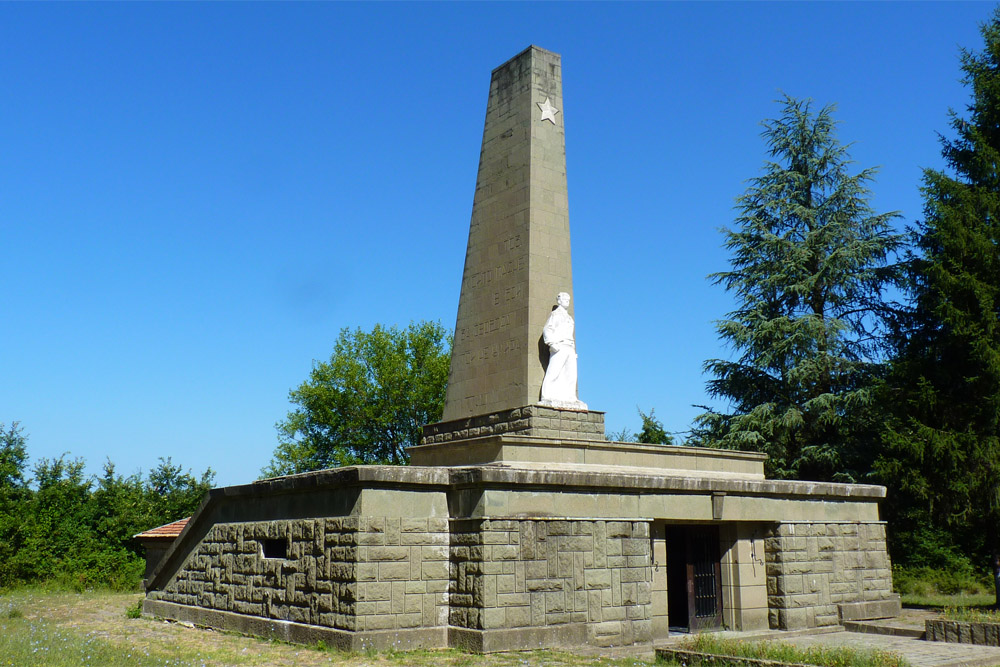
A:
[(548, 111)]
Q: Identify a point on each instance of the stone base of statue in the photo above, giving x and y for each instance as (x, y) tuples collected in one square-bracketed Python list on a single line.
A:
[(555, 422), (579, 406)]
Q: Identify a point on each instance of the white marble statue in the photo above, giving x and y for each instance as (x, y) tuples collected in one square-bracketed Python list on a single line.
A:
[(559, 384)]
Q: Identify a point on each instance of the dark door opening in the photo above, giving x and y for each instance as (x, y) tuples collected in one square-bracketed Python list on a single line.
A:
[(694, 577)]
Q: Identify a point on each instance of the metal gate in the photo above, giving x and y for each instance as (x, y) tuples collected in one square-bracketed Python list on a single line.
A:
[(704, 575), (694, 577)]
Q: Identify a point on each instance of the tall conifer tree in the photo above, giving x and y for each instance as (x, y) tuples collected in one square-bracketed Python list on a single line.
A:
[(942, 458), (809, 262)]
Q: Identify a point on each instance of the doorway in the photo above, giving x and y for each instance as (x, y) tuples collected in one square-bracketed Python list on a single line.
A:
[(694, 577)]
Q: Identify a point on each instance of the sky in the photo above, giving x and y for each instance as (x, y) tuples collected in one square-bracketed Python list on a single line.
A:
[(196, 198)]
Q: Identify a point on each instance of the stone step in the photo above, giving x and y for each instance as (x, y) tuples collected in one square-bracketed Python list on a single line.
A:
[(877, 628)]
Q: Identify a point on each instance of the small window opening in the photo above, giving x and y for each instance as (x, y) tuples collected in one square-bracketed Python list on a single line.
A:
[(274, 548)]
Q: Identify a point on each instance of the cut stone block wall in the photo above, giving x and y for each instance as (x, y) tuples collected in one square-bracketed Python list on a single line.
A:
[(814, 567), (348, 573), (516, 573), (491, 558), (371, 574), (402, 573), (964, 632)]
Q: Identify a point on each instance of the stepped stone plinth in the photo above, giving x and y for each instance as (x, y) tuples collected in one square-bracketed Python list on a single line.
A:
[(535, 420)]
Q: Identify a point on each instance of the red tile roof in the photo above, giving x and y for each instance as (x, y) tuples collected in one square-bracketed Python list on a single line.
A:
[(170, 530)]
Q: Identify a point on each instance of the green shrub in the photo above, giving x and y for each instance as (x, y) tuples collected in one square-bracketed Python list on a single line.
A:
[(68, 531), (933, 548), (135, 611), (927, 581)]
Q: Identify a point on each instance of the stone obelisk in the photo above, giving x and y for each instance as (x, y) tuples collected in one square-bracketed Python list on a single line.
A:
[(518, 257)]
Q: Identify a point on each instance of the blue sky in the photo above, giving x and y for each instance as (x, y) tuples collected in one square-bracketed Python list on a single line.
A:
[(196, 198)]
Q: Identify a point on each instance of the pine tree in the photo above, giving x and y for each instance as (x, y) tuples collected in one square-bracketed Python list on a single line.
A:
[(942, 458), (809, 263), (653, 432)]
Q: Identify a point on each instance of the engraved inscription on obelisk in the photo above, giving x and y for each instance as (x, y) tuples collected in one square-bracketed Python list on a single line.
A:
[(518, 257)]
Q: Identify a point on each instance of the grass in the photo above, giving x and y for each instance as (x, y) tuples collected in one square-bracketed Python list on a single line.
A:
[(135, 611), (53, 628), (814, 655), (971, 614), (936, 588), (40, 644), (26, 638), (47, 628), (943, 601)]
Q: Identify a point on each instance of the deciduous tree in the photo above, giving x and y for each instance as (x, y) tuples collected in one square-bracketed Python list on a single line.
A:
[(368, 402), (57, 527), (13, 492)]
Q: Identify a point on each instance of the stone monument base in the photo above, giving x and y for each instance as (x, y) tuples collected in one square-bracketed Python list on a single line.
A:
[(512, 556), (516, 449), (536, 420)]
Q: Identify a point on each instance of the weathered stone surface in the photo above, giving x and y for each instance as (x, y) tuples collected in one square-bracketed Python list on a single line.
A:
[(814, 579), (553, 589), (367, 584), (518, 255), (545, 422), (289, 631)]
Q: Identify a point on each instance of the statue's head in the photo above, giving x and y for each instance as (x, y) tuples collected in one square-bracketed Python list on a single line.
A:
[(563, 299)]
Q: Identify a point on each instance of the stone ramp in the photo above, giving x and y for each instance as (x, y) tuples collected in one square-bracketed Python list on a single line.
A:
[(909, 623), (881, 628)]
